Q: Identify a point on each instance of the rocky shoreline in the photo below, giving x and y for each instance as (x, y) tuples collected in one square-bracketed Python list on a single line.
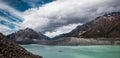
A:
[(82, 41)]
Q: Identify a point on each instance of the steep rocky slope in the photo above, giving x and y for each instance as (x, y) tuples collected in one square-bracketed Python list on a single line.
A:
[(9, 49), (106, 26)]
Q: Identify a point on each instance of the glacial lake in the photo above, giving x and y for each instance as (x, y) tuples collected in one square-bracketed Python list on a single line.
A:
[(105, 51)]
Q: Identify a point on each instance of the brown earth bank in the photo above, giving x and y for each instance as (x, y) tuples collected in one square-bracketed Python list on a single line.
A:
[(9, 49)]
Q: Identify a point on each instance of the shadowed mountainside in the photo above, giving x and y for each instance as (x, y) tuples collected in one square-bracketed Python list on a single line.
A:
[(27, 36)]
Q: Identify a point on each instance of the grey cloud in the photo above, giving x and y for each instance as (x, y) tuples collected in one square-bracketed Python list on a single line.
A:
[(60, 13)]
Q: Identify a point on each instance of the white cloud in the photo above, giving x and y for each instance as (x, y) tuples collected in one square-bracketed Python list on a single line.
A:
[(59, 14), (64, 12), (6, 8), (61, 30), (5, 30), (7, 20)]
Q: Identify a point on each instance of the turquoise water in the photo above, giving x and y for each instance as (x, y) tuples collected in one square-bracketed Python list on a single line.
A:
[(74, 51)]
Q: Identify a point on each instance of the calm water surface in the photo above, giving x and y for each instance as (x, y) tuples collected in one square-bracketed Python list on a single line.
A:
[(74, 51)]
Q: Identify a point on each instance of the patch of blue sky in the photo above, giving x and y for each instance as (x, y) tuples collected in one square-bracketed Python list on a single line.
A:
[(22, 5), (37, 3), (17, 4), (9, 24), (10, 17)]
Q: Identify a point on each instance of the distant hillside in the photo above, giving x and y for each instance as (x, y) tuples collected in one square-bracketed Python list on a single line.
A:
[(27, 36), (107, 26), (9, 49)]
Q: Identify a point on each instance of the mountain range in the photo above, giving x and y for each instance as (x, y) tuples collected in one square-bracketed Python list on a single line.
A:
[(104, 29)]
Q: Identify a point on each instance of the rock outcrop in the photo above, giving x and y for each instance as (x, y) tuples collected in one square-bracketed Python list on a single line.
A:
[(9, 49)]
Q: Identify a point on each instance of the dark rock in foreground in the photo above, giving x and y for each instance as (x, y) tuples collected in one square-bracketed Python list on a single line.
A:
[(9, 49)]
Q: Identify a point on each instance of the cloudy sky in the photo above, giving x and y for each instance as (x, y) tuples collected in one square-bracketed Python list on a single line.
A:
[(51, 17)]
